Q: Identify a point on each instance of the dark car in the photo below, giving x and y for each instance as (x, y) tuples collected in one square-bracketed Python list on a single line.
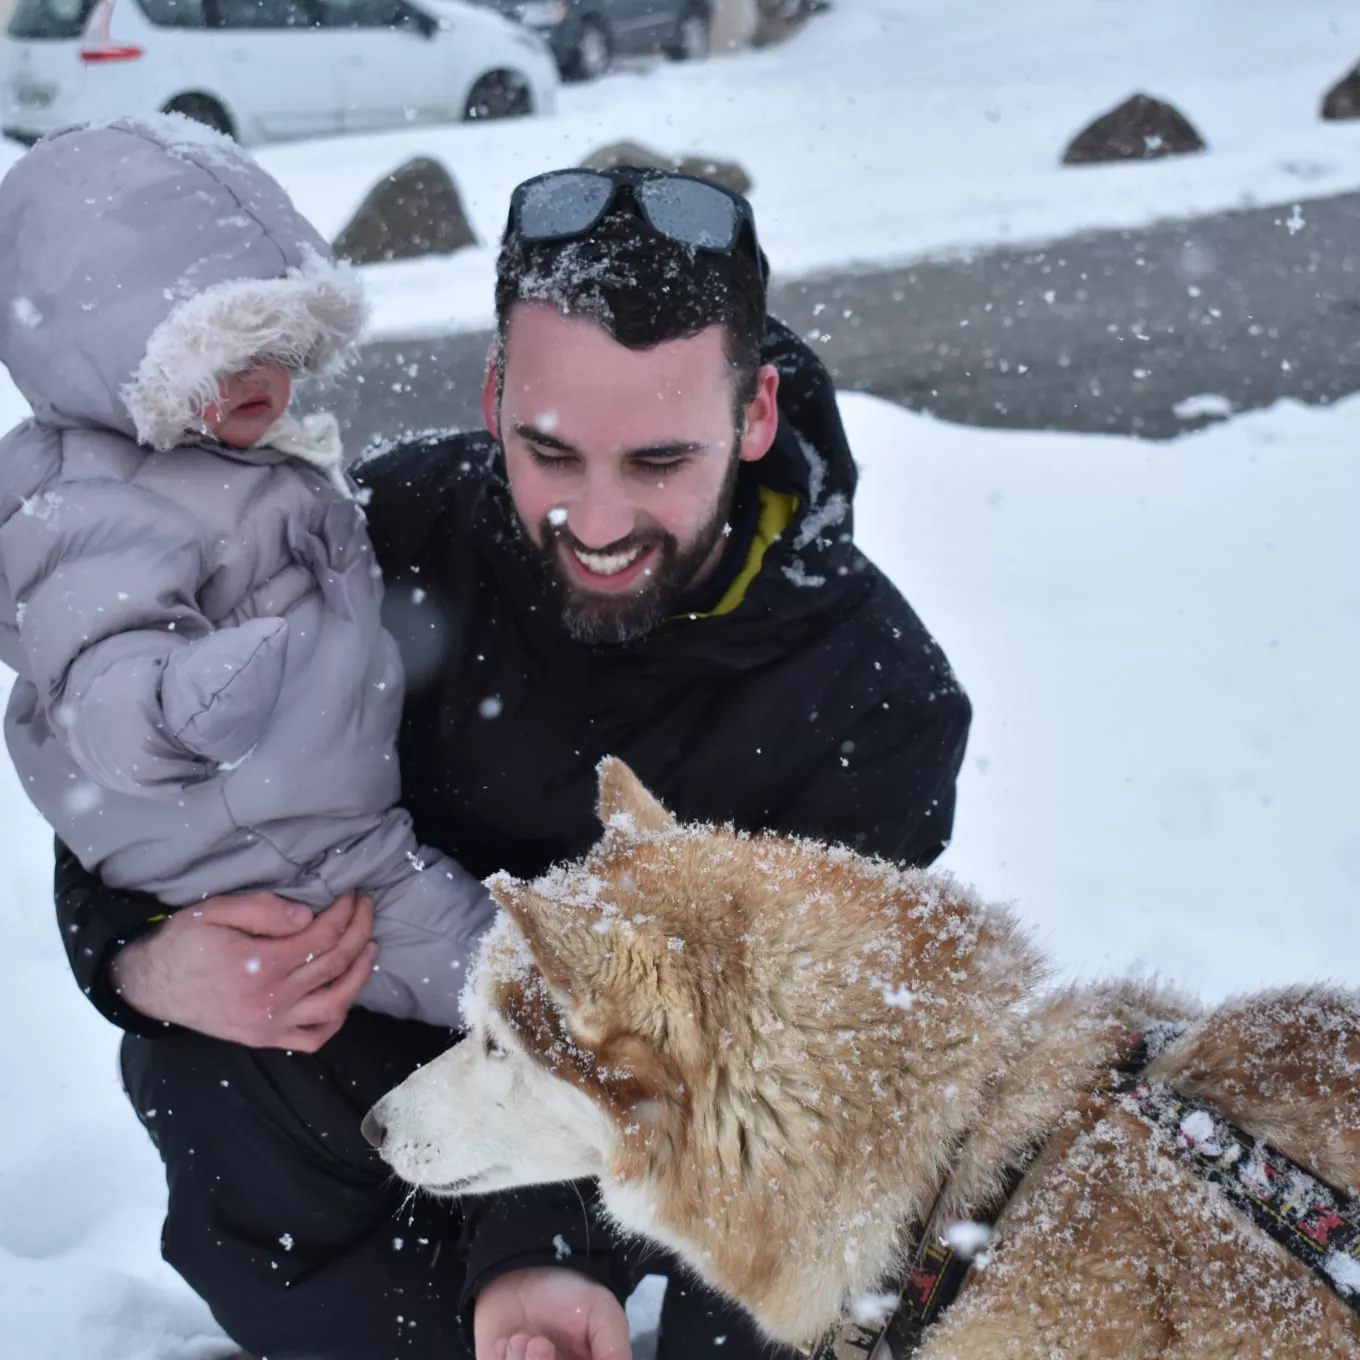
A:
[(586, 35)]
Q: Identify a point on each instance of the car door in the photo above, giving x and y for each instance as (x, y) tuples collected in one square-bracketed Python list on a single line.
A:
[(657, 21), (632, 24), (395, 71), (280, 69)]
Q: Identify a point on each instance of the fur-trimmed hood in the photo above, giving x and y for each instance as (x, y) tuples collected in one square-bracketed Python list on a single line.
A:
[(143, 259)]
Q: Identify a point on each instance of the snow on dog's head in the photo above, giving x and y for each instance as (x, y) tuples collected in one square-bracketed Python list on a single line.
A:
[(544, 1087), (488, 1115), (710, 1022)]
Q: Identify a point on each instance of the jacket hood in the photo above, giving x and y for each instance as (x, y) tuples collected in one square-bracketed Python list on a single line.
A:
[(812, 574), (810, 460), (142, 260)]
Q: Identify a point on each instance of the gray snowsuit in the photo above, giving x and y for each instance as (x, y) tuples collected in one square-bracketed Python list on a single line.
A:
[(207, 702)]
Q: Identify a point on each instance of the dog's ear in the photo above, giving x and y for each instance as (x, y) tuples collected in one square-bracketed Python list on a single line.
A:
[(647, 1084), (561, 938), (625, 805)]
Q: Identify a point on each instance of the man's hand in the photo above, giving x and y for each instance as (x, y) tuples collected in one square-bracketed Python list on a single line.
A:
[(549, 1314), (253, 969)]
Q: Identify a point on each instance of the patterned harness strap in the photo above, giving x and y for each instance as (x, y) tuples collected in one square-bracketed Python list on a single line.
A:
[(935, 1277), (1316, 1222), (937, 1270)]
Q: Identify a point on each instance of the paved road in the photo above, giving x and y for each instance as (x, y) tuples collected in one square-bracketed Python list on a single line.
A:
[(1104, 331)]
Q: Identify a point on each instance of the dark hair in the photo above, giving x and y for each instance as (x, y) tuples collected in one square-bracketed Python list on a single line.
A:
[(643, 288)]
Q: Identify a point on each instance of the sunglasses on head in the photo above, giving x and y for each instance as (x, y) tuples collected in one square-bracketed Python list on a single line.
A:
[(694, 212)]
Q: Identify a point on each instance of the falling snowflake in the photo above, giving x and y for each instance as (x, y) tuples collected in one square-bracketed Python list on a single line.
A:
[(82, 798), (967, 1238), (26, 314), (1345, 1272)]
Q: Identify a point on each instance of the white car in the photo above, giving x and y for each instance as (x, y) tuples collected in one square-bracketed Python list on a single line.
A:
[(268, 70)]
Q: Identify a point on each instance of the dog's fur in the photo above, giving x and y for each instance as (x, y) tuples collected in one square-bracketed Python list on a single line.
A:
[(775, 1055)]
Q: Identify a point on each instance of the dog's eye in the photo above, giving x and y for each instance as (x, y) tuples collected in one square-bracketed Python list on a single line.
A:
[(492, 1047)]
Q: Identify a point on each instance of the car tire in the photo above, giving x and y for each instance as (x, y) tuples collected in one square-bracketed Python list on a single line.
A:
[(203, 109), (594, 53), (693, 37), (499, 94)]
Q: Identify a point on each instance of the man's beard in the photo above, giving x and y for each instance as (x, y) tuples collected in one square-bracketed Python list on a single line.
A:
[(593, 616)]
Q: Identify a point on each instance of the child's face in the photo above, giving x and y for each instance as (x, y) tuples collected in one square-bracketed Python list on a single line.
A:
[(248, 403)]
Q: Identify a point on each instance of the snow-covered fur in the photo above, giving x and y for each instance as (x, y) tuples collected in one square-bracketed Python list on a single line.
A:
[(206, 700), (774, 1055)]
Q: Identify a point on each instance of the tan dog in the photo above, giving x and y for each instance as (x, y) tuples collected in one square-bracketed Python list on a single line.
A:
[(775, 1055)]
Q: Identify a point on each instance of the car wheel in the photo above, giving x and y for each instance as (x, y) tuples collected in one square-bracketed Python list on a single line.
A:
[(692, 38), (202, 109), (499, 94), (594, 53)]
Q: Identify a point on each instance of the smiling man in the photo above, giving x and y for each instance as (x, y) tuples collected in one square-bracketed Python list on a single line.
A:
[(629, 523), (649, 555)]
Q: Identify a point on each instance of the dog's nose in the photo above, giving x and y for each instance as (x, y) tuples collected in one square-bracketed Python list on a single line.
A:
[(373, 1129)]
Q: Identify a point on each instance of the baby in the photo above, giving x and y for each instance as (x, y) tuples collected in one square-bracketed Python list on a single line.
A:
[(206, 700)]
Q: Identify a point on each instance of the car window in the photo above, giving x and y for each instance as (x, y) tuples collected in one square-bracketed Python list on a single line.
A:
[(49, 18), (364, 14), (173, 13), (261, 14)]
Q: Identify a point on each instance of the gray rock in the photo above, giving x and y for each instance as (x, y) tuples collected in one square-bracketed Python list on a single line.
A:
[(1343, 99), (779, 20), (727, 173), (1141, 128), (413, 211)]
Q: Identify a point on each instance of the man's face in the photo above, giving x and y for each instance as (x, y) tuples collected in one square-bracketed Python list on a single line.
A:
[(622, 463)]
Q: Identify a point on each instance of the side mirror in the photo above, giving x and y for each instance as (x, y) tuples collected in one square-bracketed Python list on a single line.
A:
[(416, 21)]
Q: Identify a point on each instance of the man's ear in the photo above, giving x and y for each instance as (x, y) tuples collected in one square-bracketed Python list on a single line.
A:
[(762, 416), (625, 805), (491, 390), (561, 937)]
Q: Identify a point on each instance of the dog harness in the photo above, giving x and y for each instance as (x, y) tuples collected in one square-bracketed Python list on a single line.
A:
[(1314, 1221)]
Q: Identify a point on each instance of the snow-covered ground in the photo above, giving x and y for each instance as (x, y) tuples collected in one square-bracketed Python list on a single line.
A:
[(892, 129), (1161, 642)]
